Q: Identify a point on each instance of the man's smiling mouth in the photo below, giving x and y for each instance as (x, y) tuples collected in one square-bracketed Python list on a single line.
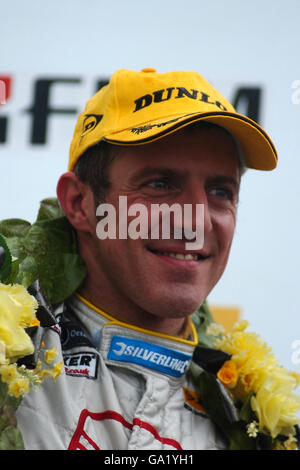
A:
[(181, 256)]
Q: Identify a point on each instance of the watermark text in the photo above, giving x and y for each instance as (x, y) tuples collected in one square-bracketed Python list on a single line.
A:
[(295, 358), (162, 221), (2, 92), (295, 98)]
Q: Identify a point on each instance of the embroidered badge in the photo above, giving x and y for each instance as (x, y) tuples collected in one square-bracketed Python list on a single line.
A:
[(73, 336), (160, 358), (192, 402), (83, 364)]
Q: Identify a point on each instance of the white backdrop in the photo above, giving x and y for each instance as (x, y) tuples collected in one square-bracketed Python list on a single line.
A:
[(232, 44)]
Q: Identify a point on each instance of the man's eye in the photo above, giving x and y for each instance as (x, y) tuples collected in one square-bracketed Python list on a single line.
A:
[(158, 184), (224, 193)]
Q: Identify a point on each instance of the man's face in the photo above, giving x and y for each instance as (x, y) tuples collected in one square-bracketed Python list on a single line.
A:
[(156, 275)]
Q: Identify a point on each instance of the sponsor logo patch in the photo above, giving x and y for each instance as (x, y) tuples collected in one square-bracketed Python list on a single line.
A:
[(73, 336), (90, 122), (179, 92), (192, 402), (160, 358), (83, 364)]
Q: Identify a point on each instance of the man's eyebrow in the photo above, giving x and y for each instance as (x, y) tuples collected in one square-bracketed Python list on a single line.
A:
[(225, 179), (154, 170)]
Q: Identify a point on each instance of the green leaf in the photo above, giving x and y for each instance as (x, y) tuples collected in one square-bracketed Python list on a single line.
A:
[(14, 227), (7, 418), (45, 250), (11, 279), (28, 271), (16, 248), (11, 439), (201, 319), (215, 400), (5, 260), (246, 413), (221, 410), (239, 439), (3, 393), (6, 399), (60, 275), (50, 209), (46, 236)]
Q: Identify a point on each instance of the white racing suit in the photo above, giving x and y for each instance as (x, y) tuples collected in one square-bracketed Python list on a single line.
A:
[(123, 388)]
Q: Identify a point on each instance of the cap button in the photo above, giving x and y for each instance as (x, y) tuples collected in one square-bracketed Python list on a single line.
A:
[(148, 70)]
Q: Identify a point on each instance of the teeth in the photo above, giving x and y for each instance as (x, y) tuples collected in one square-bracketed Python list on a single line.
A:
[(189, 256)]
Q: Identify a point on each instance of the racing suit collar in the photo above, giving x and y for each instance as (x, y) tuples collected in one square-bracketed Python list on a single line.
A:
[(111, 320), (138, 349)]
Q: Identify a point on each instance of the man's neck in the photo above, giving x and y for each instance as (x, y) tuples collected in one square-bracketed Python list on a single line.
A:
[(179, 327)]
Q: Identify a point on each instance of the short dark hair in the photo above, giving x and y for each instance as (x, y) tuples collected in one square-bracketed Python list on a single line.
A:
[(92, 168), (93, 165)]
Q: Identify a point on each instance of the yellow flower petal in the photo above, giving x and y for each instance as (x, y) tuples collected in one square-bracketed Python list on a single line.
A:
[(228, 374), (18, 387), (17, 311), (275, 404), (50, 355), (56, 371), (2, 352), (241, 326), (260, 375), (35, 322), (8, 373)]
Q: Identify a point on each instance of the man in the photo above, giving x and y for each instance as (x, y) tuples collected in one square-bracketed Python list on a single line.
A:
[(146, 139)]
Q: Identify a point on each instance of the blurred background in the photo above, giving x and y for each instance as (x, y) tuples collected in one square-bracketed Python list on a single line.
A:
[(55, 55)]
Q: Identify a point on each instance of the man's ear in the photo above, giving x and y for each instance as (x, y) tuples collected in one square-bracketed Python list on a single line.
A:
[(77, 201)]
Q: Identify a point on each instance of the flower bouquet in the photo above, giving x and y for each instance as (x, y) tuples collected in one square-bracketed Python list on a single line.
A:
[(24, 364), (39, 269), (244, 390)]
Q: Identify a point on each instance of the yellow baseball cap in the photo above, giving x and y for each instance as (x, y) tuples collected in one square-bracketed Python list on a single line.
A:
[(136, 108)]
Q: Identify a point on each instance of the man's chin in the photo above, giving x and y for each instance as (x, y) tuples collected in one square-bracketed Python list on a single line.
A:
[(175, 306)]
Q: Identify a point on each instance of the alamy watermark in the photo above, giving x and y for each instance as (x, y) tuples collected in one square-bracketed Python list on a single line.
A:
[(295, 358), (295, 98), (2, 92), (162, 221)]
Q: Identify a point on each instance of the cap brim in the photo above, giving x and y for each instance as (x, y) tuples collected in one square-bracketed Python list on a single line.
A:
[(258, 150)]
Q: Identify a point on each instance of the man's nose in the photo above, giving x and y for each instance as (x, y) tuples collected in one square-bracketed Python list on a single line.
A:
[(195, 204)]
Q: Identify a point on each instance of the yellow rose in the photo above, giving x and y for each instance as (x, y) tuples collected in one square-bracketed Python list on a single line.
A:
[(228, 374), (17, 311), (252, 357), (275, 405)]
